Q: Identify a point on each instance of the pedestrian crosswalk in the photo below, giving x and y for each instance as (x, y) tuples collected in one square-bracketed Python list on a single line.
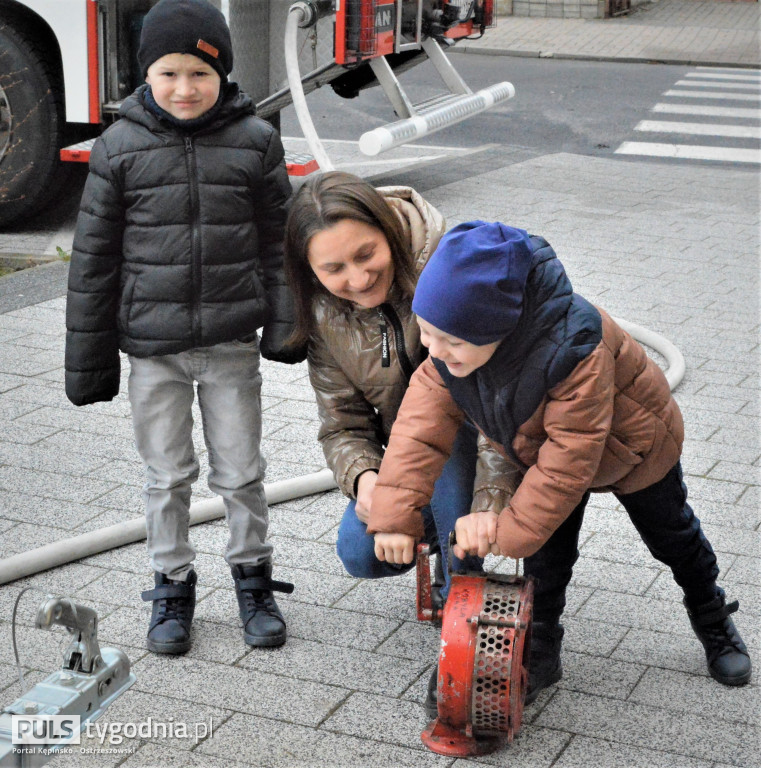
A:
[(712, 114)]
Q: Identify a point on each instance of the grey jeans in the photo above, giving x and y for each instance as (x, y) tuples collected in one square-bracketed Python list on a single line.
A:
[(229, 395)]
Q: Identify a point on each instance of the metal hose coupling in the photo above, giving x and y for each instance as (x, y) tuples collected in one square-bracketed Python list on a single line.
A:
[(312, 11)]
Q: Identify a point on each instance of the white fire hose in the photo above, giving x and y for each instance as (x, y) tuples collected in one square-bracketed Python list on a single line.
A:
[(298, 16), (130, 531)]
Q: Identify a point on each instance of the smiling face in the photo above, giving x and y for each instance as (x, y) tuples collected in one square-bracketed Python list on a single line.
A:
[(353, 261), (183, 85), (460, 357)]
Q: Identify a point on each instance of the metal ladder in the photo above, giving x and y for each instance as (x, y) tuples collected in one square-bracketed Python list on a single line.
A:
[(417, 120)]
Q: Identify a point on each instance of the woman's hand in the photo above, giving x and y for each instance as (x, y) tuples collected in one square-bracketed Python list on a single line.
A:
[(397, 548), (365, 488), (476, 534)]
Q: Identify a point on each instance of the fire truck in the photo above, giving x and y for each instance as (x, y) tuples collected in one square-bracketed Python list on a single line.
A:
[(66, 65)]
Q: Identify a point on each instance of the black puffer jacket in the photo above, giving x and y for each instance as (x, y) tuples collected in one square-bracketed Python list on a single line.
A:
[(178, 243)]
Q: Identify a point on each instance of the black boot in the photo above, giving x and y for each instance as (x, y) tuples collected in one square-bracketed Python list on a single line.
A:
[(727, 656), (544, 665), (174, 603), (431, 698), (263, 624)]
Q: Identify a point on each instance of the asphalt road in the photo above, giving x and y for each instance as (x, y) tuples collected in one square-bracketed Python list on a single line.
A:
[(578, 107), (581, 107)]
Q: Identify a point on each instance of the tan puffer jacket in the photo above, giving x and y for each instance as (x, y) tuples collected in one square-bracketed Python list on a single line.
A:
[(611, 425), (358, 398)]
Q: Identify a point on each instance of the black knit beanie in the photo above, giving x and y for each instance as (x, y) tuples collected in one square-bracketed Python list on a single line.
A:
[(186, 26)]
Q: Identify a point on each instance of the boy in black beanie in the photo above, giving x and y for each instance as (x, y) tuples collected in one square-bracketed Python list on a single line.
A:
[(177, 261)]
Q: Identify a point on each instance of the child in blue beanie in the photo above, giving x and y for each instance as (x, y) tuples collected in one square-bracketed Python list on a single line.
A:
[(574, 401)]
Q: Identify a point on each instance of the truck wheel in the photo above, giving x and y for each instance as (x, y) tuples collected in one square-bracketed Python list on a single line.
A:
[(31, 127)]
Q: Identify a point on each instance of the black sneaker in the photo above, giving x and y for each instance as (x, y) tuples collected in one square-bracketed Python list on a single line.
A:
[(174, 603), (263, 624), (726, 654)]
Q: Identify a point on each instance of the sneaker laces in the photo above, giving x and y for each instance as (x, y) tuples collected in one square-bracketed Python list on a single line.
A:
[(718, 633), (259, 600), (172, 609)]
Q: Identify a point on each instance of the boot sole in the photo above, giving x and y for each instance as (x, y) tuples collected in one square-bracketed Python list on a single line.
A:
[(264, 641), (174, 649), (732, 681)]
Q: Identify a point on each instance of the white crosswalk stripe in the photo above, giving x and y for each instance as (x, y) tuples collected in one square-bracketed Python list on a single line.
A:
[(715, 95), (728, 133)]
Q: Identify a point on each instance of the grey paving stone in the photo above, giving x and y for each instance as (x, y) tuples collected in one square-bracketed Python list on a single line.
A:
[(652, 727), (65, 580), (220, 607), (242, 690), (734, 540), (24, 434), (336, 627), (596, 638), (312, 555), (337, 665), (164, 720), (582, 752), (384, 597), (413, 640), (662, 649), (293, 746), (635, 611), (9, 381), (366, 716), (621, 549), (309, 525), (745, 569), (599, 676), (53, 484), (700, 696), (156, 756), (48, 460)]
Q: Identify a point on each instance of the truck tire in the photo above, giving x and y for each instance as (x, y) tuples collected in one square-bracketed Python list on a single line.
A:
[(32, 126)]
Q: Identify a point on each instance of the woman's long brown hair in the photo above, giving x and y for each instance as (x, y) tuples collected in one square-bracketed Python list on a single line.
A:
[(322, 202)]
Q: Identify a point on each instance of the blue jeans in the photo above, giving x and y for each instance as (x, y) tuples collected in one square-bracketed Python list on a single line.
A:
[(161, 392), (452, 497), (667, 526)]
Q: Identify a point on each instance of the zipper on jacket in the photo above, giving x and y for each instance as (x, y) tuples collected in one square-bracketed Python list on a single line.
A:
[(387, 311), (385, 353), (195, 254)]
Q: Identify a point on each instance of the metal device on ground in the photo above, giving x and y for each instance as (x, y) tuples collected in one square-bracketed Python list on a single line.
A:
[(482, 665), (90, 679), (68, 64)]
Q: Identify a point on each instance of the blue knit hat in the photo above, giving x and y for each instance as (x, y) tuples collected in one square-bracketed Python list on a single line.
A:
[(472, 286)]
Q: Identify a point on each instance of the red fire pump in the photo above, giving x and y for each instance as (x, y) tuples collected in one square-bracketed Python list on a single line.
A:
[(482, 672)]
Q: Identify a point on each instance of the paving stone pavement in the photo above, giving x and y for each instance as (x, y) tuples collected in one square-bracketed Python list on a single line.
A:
[(667, 31), (674, 248)]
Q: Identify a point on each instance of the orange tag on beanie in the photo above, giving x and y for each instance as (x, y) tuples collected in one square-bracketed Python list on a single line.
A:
[(207, 48)]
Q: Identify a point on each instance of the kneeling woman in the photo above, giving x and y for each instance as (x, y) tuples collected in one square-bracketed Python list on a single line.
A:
[(353, 256)]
